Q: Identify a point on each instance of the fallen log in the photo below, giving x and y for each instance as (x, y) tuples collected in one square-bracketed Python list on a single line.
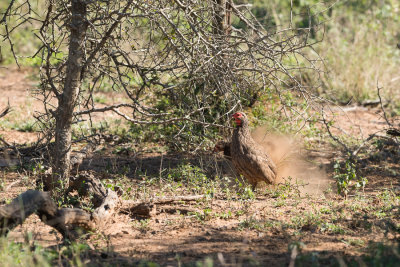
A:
[(33, 201), (104, 200), (87, 185), (65, 220), (107, 208), (29, 202)]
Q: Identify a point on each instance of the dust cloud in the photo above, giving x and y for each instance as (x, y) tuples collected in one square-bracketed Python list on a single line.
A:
[(291, 160)]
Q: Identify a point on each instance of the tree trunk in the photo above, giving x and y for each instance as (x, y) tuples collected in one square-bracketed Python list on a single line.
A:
[(222, 17), (67, 100)]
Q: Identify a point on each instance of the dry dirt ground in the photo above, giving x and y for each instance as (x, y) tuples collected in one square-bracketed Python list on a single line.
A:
[(225, 228)]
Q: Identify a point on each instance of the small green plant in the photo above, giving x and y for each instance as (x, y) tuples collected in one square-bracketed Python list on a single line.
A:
[(285, 189), (17, 254), (331, 228), (325, 210), (244, 190), (348, 179), (27, 126), (101, 99), (250, 223), (142, 225), (306, 221), (224, 215), (192, 177), (387, 199), (29, 253), (202, 216)]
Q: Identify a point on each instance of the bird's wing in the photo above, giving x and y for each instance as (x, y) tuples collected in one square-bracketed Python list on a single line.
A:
[(261, 165)]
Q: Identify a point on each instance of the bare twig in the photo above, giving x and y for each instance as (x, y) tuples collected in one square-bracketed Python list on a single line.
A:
[(148, 208), (328, 128), (164, 200), (5, 111), (381, 104), (12, 184), (352, 152), (392, 130)]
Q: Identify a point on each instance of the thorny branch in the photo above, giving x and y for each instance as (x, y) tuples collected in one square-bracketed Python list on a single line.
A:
[(352, 152), (178, 62), (4, 113), (392, 130)]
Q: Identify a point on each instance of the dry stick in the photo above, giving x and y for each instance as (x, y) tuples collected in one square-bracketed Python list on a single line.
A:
[(7, 32), (4, 141), (166, 200), (12, 184), (370, 137), (353, 153), (383, 109), (328, 128), (148, 208), (392, 130), (4, 113), (112, 107)]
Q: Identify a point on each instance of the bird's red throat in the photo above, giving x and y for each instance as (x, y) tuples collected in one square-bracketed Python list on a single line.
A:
[(238, 122), (237, 116)]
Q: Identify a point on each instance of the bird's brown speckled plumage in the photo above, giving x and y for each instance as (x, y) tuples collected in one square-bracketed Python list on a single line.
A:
[(248, 159)]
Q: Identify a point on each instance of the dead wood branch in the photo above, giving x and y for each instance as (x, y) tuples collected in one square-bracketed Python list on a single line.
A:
[(392, 130), (145, 210), (107, 208), (148, 208), (5, 111), (5, 142), (22, 207), (328, 128), (12, 184), (175, 209), (104, 200), (85, 184), (64, 220), (32, 201), (382, 106), (351, 151)]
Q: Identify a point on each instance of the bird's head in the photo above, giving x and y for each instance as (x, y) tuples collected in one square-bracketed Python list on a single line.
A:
[(240, 119)]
